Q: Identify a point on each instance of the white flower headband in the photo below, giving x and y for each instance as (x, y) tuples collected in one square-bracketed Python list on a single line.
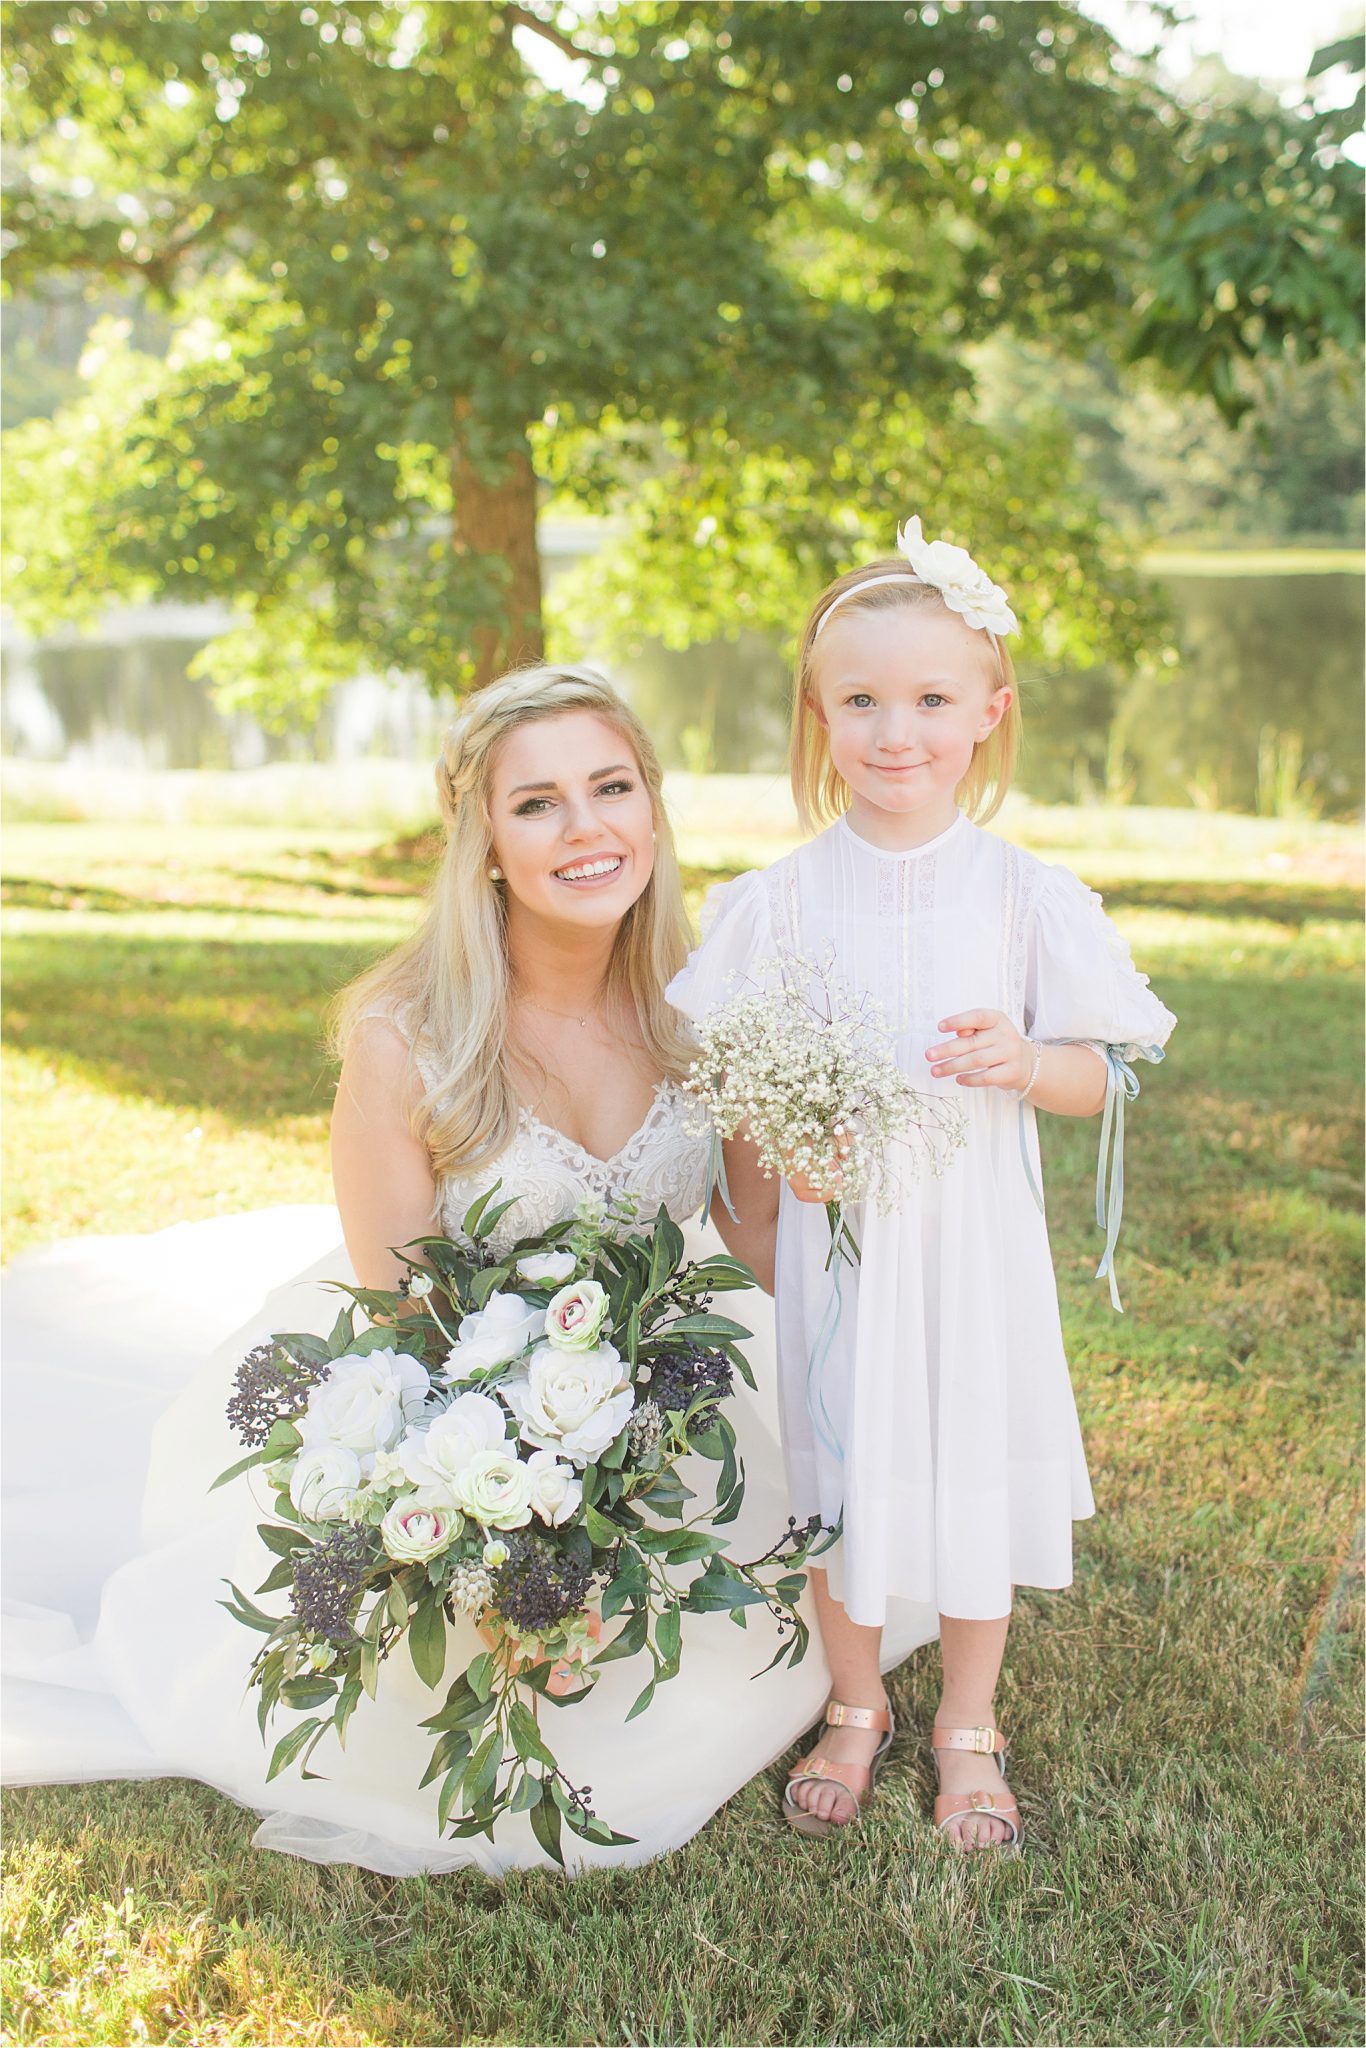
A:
[(964, 587)]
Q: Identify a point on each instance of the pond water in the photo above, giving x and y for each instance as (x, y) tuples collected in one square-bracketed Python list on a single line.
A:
[(1263, 712)]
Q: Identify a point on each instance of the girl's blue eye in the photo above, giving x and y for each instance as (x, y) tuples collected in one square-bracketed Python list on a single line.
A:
[(932, 698), (859, 699)]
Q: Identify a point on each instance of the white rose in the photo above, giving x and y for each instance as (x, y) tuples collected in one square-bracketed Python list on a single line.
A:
[(546, 1268), (575, 1315), (573, 1402), (495, 1489), (964, 587), (494, 1335), (556, 1492), (325, 1483), (412, 1534), (434, 1458), (365, 1404)]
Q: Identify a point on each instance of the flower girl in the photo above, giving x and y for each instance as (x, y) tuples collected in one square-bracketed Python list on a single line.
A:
[(932, 1409)]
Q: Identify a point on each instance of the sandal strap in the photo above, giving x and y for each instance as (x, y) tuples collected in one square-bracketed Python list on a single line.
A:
[(838, 1715), (952, 1806), (982, 1741)]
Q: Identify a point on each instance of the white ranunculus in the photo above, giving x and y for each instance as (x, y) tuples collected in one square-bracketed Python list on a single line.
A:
[(325, 1483), (574, 1317), (556, 1490), (546, 1269), (411, 1534), (964, 587), (365, 1403), (434, 1458), (495, 1489), (572, 1402), (494, 1335)]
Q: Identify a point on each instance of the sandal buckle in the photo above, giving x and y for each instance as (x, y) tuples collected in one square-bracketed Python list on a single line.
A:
[(984, 1741)]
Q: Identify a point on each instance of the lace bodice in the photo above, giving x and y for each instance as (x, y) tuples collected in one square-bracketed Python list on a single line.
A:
[(550, 1174)]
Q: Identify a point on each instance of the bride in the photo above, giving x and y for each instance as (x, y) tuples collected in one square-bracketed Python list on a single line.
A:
[(521, 1035)]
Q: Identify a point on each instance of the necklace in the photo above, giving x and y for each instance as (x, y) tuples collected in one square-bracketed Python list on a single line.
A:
[(564, 1016)]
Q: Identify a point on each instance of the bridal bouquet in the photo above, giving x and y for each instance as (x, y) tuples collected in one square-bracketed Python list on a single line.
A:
[(502, 1439), (807, 1067)]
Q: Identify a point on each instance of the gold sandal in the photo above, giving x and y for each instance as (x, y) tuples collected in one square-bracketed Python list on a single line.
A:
[(951, 1806), (857, 1780)]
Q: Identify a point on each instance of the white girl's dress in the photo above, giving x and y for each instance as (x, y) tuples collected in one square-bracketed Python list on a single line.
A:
[(939, 1418), (119, 1661)]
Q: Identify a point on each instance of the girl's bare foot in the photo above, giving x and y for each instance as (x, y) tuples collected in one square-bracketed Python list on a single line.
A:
[(829, 1800), (963, 1771)]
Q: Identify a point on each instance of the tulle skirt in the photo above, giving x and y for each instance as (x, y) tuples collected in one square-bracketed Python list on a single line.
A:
[(119, 1661)]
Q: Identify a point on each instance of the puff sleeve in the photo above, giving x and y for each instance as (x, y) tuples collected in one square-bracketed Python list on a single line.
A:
[(1081, 984), (1082, 987), (737, 942)]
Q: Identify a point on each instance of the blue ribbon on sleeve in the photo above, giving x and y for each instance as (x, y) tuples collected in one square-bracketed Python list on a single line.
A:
[(1121, 1086)]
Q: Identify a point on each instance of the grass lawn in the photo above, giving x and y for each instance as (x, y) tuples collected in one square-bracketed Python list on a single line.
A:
[(1185, 1720)]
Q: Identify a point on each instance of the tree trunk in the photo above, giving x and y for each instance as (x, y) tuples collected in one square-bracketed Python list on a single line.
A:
[(494, 520)]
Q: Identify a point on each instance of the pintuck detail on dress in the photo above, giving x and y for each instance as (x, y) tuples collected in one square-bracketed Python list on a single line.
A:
[(962, 1466)]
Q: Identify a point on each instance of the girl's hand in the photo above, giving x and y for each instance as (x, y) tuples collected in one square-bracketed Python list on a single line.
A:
[(829, 1186), (988, 1051)]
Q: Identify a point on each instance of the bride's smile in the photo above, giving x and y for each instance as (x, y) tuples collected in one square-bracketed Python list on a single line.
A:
[(571, 822)]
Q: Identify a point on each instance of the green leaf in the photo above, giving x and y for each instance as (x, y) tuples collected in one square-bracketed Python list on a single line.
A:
[(345, 1708), (281, 1574), (289, 1747), (714, 1592), (247, 1611), (600, 1530), (527, 1795), (669, 1633), (630, 1640), (307, 1692), (545, 1824), (685, 1546), (342, 1334), (470, 1223), (479, 1674), (705, 1324), (641, 1702), (283, 1540), (482, 1771), (449, 1793), (261, 1457), (427, 1640), (397, 1601), (527, 1736), (628, 1584)]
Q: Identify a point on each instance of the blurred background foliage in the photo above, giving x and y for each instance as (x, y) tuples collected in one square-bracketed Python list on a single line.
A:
[(318, 312)]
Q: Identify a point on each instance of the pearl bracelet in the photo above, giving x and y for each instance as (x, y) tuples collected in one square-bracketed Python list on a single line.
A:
[(1023, 1093)]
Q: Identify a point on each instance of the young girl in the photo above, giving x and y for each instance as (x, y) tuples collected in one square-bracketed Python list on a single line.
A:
[(940, 1421)]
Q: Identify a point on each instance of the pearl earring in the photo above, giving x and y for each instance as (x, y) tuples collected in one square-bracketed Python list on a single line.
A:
[(495, 874)]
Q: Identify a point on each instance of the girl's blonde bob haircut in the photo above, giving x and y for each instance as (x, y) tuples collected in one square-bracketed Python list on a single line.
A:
[(447, 989), (821, 792)]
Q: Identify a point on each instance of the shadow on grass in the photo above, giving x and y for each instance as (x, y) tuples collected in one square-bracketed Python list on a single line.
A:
[(233, 1026)]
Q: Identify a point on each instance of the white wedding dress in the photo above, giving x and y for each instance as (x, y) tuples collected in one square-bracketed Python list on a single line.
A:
[(119, 1662)]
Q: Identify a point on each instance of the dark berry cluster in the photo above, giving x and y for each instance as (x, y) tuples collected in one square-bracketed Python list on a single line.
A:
[(679, 1375), (269, 1383), (328, 1578), (539, 1585)]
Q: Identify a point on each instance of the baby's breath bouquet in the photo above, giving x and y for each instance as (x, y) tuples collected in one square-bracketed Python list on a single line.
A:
[(502, 1439), (806, 1067)]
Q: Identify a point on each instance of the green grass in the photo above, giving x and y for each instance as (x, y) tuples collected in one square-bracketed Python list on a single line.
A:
[(1186, 1719)]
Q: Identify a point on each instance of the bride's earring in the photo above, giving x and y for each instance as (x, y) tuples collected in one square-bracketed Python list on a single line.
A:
[(495, 874)]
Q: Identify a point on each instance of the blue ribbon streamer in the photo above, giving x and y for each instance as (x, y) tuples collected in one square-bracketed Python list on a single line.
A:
[(821, 1419), (716, 1179), (1121, 1086)]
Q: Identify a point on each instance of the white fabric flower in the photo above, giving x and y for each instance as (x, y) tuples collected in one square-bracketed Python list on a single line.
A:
[(964, 587), (575, 1316), (412, 1533), (435, 1457), (325, 1483), (365, 1404), (551, 1269), (495, 1489), (556, 1491), (494, 1335), (573, 1402)]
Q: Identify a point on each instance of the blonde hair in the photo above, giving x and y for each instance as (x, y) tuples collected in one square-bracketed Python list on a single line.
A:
[(821, 792), (447, 988)]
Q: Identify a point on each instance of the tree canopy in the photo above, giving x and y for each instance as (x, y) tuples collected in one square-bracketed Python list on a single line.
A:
[(721, 265)]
